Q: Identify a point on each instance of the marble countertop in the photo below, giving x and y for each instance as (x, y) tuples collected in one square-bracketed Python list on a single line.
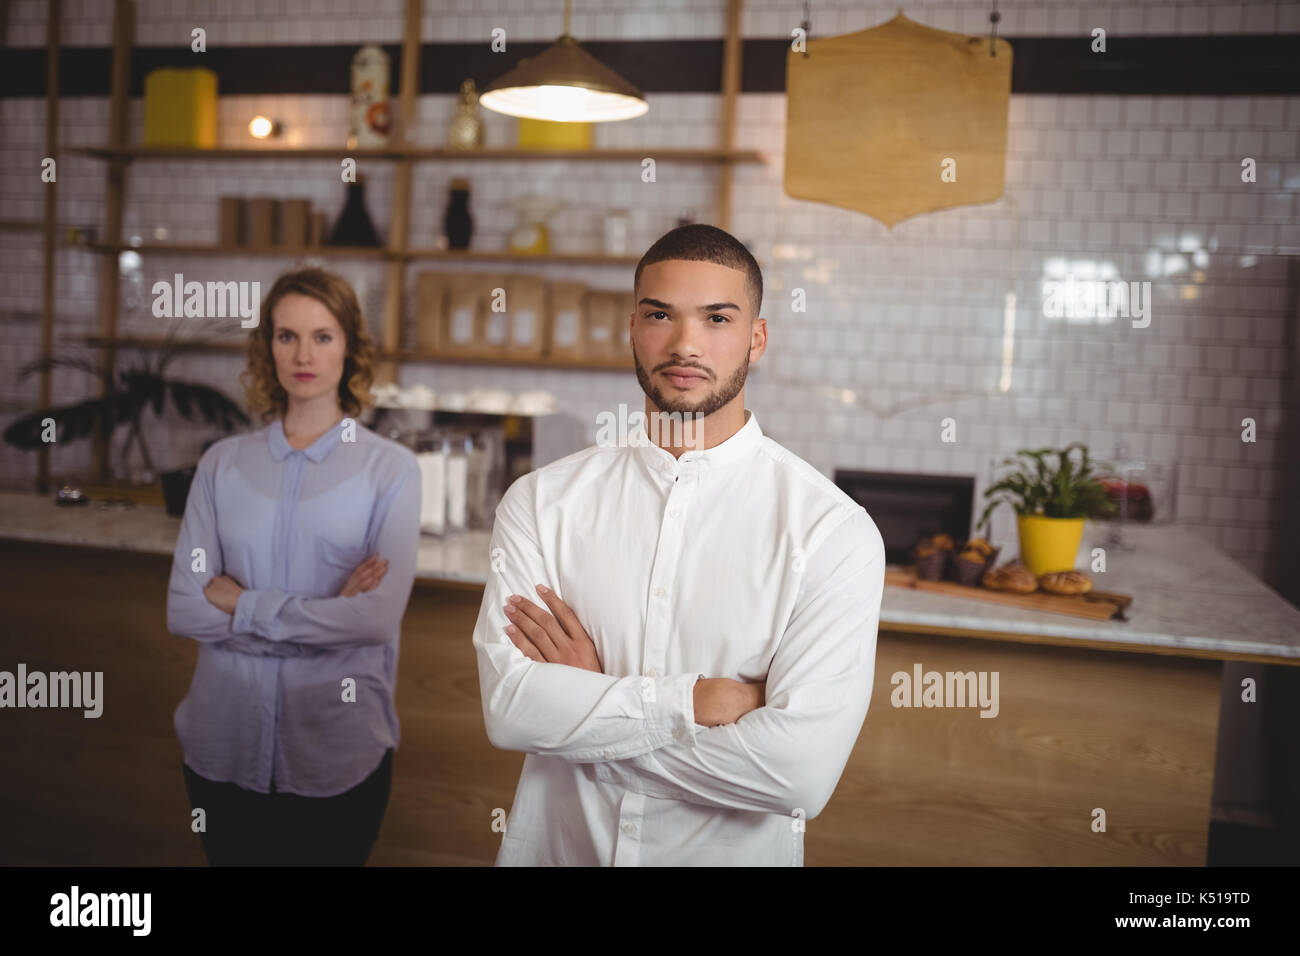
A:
[(1188, 597), (147, 528)]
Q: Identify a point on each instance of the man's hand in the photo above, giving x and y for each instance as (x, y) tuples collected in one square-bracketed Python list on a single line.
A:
[(557, 637), (721, 700), (223, 591), (367, 576)]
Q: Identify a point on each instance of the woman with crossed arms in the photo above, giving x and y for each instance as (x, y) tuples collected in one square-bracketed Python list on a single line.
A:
[(292, 570)]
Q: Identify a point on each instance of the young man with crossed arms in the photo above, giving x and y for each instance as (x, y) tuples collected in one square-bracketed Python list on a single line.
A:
[(696, 660)]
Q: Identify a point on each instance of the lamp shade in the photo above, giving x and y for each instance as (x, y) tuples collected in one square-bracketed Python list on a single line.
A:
[(565, 84)]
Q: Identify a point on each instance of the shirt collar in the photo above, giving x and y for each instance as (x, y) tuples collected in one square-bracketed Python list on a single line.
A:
[(316, 451), (739, 447)]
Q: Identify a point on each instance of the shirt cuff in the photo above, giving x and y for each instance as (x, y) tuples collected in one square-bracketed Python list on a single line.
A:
[(670, 703), (255, 612)]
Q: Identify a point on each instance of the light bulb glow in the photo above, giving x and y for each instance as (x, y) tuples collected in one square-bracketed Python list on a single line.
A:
[(563, 104)]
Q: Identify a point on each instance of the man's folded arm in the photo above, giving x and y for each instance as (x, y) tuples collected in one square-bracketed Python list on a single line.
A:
[(189, 612), (555, 709), (370, 617), (787, 756)]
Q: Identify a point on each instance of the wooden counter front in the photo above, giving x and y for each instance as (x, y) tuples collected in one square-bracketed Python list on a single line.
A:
[(1077, 729)]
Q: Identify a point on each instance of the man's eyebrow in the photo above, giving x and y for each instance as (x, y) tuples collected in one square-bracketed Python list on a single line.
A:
[(711, 307)]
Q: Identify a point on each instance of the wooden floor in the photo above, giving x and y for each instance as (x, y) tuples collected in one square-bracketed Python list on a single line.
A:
[(1078, 730)]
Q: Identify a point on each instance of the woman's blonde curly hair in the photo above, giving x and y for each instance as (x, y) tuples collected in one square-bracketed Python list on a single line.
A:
[(263, 392)]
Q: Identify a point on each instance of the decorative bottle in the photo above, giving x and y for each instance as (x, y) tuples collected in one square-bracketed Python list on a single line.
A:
[(466, 130), (353, 227), (458, 224), (371, 117)]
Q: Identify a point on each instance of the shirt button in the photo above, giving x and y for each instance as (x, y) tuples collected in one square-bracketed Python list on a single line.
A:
[(659, 592), (652, 673), (629, 828), (673, 513)]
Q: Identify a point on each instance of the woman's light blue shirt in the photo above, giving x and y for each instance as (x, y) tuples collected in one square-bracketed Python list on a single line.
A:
[(298, 684)]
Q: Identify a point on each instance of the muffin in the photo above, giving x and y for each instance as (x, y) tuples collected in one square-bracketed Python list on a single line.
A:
[(976, 557), (932, 554)]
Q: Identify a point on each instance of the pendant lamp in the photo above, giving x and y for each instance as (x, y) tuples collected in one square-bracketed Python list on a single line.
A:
[(564, 84)]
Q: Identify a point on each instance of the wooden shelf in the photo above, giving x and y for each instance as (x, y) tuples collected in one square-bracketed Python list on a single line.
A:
[(192, 249), (356, 252), (153, 342), (422, 153), (475, 255), (609, 363), (396, 257), (224, 153)]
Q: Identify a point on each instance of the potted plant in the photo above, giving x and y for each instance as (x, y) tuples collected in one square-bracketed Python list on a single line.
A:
[(1051, 504), (122, 402)]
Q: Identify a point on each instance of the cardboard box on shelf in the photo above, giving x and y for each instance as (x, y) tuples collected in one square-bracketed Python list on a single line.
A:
[(600, 308), (431, 289), (566, 323), (622, 305), (526, 316), (494, 316), (460, 319)]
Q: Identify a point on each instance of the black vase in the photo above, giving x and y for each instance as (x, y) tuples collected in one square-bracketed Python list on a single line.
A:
[(458, 224), (354, 227)]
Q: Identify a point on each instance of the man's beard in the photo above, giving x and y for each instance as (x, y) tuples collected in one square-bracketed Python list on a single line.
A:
[(707, 405)]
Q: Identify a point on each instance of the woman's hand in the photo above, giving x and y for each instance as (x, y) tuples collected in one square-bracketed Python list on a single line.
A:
[(367, 576), (223, 591)]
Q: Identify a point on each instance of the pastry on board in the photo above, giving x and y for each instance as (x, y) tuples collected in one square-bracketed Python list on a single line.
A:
[(1065, 582), (1012, 576)]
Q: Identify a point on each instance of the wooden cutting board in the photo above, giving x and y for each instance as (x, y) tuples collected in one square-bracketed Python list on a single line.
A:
[(1095, 605)]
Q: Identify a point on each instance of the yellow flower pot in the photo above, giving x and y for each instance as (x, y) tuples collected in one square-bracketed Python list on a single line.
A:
[(1049, 544)]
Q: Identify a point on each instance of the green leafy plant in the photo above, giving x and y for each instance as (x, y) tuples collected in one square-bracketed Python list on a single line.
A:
[(139, 386), (1067, 490)]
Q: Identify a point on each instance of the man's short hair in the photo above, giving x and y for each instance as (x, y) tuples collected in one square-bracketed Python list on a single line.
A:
[(700, 242)]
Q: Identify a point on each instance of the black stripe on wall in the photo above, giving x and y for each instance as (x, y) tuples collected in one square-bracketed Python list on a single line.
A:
[(1187, 65)]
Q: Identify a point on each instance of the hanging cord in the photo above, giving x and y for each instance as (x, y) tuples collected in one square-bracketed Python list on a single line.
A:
[(994, 18), (807, 28)]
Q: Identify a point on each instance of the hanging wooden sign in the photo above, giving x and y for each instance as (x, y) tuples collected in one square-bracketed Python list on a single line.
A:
[(897, 120)]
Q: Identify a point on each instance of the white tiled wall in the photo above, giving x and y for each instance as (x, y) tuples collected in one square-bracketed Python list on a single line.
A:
[(904, 328), (88, 22)]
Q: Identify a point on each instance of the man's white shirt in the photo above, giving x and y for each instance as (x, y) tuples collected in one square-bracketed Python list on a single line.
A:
[(739, 561)]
